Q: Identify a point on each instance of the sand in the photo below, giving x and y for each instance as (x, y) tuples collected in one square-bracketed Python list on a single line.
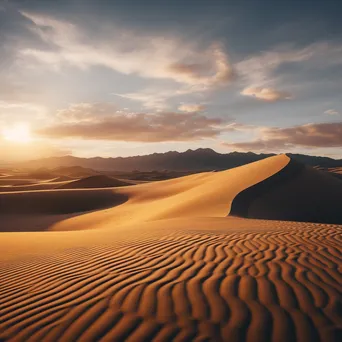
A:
[(98, 181), (165, 262)]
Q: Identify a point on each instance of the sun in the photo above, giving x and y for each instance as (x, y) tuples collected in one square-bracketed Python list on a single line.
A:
[(18, 133)]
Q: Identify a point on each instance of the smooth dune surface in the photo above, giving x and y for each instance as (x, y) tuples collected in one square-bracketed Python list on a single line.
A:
[(164, 262)]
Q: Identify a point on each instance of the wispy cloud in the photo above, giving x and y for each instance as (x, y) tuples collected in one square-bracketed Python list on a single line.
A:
[(266, 94), (323, 135), (260, 73), (191, 107), (331, 112), (86, 112), (105, 122), (173, 58), (154, 99)]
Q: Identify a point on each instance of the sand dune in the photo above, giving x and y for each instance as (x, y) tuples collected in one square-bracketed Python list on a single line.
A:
[(53, 202), (8, 181), (74, 171), (203, 279), (164, 262), (49, 185), (98, 181), (296, 193), (62, 179)]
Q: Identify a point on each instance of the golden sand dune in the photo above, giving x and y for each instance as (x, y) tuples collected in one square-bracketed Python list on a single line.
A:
[(207, 194), (200, 279), (62, 179), (167, 264), (98, 181)]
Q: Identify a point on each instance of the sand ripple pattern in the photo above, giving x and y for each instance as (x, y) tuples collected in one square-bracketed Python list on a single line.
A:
[(271, 281)]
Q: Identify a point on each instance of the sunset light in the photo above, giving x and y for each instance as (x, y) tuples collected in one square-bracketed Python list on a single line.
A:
[(19, 133), (171, 170)]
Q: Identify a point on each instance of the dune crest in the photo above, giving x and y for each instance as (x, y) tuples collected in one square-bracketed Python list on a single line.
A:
[(207, 194), (276, 188)]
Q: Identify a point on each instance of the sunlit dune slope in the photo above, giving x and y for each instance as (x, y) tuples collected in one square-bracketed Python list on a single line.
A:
[(274, 188), (62, 179), (208, 194)]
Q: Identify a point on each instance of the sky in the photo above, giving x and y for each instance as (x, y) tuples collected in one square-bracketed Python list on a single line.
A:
[(129, 77)]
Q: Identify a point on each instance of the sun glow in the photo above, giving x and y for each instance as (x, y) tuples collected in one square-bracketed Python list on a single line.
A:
[(18, 133)]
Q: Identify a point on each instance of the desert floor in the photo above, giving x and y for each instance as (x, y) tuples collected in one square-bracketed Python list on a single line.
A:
[(171, 260)]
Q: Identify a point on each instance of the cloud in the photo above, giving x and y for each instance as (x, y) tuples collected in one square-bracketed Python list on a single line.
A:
[(190, 108), (152, 98), (261, 74), (331, 112), (86, 112), (111, 124), (259, 70), (323, 135), (130, 52), (266, 94)]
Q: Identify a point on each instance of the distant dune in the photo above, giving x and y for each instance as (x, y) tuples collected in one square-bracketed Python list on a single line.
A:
[(98, 181), (74, 171), (62, 179), (58, 201), (171, 261), (43, 175)]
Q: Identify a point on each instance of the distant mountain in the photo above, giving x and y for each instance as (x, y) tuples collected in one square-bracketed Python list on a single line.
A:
[(191, 160)]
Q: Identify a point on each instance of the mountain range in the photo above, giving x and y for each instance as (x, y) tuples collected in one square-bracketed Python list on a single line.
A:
[(190, 160)]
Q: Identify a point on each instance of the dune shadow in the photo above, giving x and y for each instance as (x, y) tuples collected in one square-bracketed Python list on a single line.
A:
[(296, 193), (242, 202), (35, 211)]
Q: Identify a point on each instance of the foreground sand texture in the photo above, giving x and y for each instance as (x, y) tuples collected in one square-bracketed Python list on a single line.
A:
[(162, 261)]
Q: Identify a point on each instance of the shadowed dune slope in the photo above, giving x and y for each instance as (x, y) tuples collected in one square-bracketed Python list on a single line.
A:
[(57, 201), (8, 181), (98, 181), (295, 193)]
